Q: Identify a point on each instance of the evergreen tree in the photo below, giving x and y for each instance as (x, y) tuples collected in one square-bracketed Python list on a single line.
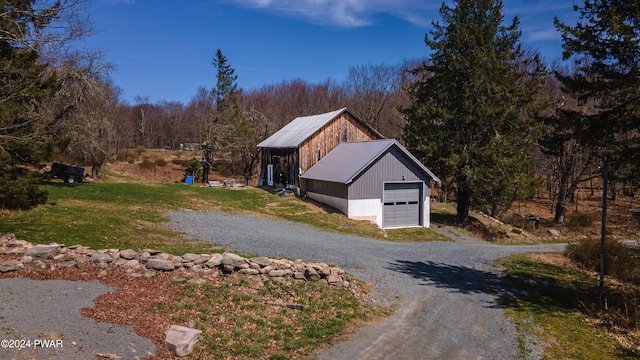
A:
[(605, 47), (235, 132), (226, 93), (469, 105), (228, 116), (25, 83)]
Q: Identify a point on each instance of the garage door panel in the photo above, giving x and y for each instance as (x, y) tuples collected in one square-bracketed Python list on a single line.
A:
[(401, 204)]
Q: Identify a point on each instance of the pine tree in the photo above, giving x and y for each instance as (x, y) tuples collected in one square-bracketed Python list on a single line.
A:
[(235, 132), (605, 47), (226, 93), (469, 105), (25, 83)]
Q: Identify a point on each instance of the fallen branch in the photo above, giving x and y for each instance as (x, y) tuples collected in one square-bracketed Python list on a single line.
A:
[(290, 306)]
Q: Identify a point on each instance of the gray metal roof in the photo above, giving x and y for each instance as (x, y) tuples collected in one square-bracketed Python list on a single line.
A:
[(301, 128), (349, 159)]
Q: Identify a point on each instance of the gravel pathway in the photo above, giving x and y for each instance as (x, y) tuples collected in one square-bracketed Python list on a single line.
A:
[(33, 310), (445, 292)]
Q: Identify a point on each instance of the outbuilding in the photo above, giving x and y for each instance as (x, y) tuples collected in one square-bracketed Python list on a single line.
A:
[(301, 143), (378, 180)]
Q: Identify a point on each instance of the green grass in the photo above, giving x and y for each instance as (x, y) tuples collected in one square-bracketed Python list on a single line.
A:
[(238, 319), (104, 215), (130, 215), (555, 308)]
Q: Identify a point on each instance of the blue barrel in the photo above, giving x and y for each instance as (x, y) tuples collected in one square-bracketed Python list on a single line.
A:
[(188, 180)]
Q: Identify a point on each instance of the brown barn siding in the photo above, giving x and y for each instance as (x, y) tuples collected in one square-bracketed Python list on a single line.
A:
[(332, 134)]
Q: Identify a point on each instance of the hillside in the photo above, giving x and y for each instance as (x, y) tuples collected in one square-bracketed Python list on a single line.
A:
[(515, 226)]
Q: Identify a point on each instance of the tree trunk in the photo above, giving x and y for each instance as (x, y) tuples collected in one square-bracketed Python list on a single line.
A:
[(562, 199), (561, 212), (464, 202), (95, 169)]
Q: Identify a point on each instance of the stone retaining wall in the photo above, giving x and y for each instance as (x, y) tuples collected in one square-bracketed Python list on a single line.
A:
[(148, 262)]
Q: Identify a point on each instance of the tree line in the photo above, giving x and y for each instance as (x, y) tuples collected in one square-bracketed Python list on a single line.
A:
[(482, 110)]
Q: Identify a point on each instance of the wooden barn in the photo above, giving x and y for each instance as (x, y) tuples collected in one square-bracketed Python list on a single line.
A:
[(378, 180), (304, 141)]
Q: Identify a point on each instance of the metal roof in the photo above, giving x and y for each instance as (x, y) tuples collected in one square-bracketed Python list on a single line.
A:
[(349, 159), (301, 128)]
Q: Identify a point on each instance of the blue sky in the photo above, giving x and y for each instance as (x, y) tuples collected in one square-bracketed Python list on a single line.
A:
[(162, 49)]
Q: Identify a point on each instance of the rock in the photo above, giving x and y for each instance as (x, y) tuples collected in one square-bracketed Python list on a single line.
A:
[(276, 273), (162, 256), (334, 280), (38, 265), (16, 243), (101, 258), (201, 259), (66, 264), (144, 256), (261, 261), (10, 265), (152, 251), (189, 257), (43, 251), (180, 339), (101, 265), (7, 237), (228, 269), (232, 259), (311, 274), (132, 264), (120, 262), (243, 266), (554, 232), (249, 271), (160, 264), (82, 259), (128, 254), (215, 260), (325, 270)]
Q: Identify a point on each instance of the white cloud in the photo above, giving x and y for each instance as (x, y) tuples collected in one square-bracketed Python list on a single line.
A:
[(543, 34), (347, 13)]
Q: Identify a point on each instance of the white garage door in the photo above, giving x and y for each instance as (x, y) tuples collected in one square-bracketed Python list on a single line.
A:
[(401, 205)]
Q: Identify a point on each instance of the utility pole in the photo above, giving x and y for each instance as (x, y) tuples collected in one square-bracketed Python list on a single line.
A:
[(605, 175)]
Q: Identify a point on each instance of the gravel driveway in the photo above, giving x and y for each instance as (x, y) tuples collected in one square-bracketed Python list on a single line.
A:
[(445, 292)]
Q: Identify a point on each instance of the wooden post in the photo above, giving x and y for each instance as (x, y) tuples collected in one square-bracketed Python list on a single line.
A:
[(605, 175)]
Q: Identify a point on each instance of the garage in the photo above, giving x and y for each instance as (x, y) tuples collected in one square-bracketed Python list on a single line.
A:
[(401, 205), (378, 181)]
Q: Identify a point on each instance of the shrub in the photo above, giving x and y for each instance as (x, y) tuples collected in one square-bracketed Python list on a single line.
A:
[(21, 193), (180, 162), (146, 164), (580, 221), (122, 156), (621, 261), (223, 167), (192, 167), (161, 162), (140, 150)]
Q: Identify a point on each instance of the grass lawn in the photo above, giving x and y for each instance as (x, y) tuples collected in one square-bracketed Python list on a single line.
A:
[(556, 304), (129, 215)]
